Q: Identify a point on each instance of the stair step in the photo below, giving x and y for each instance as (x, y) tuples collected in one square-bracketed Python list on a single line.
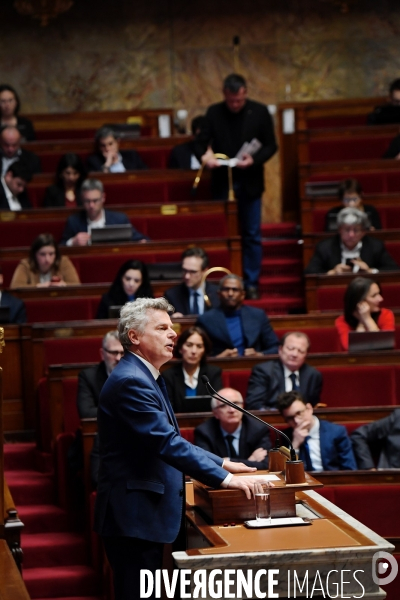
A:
[(278, 305), (42, 518), (31, 487), (278, 229), (62, 582), (281, 249), (53, 549), (20, 456)]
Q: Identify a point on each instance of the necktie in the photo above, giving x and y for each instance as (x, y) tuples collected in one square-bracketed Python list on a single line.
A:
[(292, 378), (305, 455), (170, 410), (195, 308), (163, 388), (232, 451)]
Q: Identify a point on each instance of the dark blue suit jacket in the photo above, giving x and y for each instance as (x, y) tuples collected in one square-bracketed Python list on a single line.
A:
[(257, 330), (78, 222), (17, 307), (336, 449), (179, 297), (143, 457)]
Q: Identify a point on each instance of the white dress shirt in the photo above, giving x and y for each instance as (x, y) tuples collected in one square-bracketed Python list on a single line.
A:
[(288, 382), (12, 200)]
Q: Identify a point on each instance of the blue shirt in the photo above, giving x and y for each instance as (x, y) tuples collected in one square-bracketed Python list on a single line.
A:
[(234, 324)]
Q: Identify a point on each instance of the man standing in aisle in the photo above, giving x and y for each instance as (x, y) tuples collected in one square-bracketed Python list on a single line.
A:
[(227, 126)]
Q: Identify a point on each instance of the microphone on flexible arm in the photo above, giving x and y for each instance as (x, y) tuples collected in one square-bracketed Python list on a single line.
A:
[(279, 433), (294, 469)]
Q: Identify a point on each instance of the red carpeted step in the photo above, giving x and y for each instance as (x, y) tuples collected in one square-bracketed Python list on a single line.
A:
[(30, 487), (42, 518), (61, 582), (19, 456), (279, 229), (277, 305), (281, 266), (53, 549), (281, 249)]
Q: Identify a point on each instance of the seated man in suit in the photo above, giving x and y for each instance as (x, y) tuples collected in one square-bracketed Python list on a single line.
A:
[(109, 158), (183, 156), (188, 298), (92, 379), (389, 112), (231, 434), (289, 372), (78, 227), (236, 329), (16, 306), (351, 250), (11, 151), (321, 445), (13, 194), (382, 435)]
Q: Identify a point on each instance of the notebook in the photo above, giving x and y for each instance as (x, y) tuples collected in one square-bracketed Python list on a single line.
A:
[(360, 341)]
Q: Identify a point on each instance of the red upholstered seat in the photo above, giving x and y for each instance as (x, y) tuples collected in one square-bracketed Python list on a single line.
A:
[(22, 233), (339, 121), (358, 386), (188, 434), (238, 380), (71, 350), (186, 227), (324, 339), (331, 297), (44, 310), (347, 149)]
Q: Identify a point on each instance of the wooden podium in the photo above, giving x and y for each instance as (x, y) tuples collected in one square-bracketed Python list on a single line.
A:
[(334, 548)]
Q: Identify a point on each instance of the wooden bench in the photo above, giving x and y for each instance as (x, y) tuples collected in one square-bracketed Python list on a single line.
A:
[(136, 187)]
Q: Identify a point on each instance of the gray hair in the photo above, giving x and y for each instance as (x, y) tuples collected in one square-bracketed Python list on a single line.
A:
[(215, 401), (110, 335), (231, 276), (135, 315), (104, 132), (353, 216), (92, 184)]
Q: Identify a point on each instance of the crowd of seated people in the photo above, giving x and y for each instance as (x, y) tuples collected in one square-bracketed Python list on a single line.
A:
[(226, 326)]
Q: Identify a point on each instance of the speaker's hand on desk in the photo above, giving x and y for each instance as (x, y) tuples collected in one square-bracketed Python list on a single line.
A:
[(244, 483), (237, 467)]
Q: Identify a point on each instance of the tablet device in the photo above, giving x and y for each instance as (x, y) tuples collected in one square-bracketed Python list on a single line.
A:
[(111, 233)]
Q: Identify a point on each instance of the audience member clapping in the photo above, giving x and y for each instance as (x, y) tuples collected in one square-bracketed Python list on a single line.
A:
[(69, 178), (45, 266), (109, 158), (362, 311), (131, 282), (9, 109), (185, 379), (350, 194)]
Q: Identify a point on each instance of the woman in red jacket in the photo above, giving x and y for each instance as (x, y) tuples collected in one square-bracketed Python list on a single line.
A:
[(362, 310)]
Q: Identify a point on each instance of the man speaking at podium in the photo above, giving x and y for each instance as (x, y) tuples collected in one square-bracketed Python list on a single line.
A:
[(140, 494)]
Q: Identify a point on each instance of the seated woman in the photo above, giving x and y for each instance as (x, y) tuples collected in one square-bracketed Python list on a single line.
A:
[(109, 158), (9, 108), (69, 177), (362, 310), (45, 266), (184, 380), (350, 194), (131, 282)]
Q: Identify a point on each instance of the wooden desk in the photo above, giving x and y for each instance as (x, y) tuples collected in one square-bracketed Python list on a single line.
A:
[(334, 541)]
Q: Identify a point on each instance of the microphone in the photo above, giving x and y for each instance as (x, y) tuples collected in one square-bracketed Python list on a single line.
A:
[(209, 387)]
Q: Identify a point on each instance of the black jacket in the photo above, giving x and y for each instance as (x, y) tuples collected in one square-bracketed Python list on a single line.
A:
[(253, 435), (17, 307), (55, 196), (90, 384), (257, 123), (267, 381), (179, 297), (23, 199), (382, 436), (175, 383), (130, 159), (328, 254), (181, 156)]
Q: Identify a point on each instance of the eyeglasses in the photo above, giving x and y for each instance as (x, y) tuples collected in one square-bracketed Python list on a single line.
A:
[(189, 272), (114, 352), (92, 201), (299, 413)]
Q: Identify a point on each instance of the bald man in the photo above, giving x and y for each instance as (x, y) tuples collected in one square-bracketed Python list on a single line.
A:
[(11, 151), (230, 433)]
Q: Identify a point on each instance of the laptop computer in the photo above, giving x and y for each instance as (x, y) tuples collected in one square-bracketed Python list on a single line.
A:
[(4, 314), (193, 404), (170, 270), (359, 341), (111, 233), (113, 312)]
